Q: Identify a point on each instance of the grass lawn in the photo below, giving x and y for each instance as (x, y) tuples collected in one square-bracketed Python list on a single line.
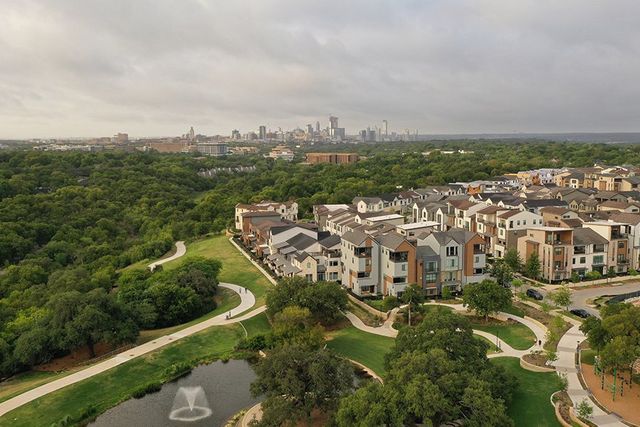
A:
[(515, 311), (109, 388), (236, 268), (365, 348), (257, 325), (228, 300), (516, 335), (530, 406)]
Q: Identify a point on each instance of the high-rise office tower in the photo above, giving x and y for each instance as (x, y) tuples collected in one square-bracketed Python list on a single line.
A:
[(262, 132)]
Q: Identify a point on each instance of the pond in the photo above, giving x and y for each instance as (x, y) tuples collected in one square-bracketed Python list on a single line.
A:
[(208, 396)]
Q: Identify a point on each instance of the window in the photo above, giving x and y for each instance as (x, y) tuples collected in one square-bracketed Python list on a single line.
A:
[(309, 277), (452, 251), (431, 266), (478, 271), (308, 265), (452, 262), (450, 276), (583, 260), (477, 259), (399, 279), (620, 245), (557, 251), (430, 277), (404, 267)]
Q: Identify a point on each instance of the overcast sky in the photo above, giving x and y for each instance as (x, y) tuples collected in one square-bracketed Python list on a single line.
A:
[(156, 67)]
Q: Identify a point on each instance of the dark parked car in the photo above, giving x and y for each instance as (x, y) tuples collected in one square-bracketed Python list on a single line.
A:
[(534, 294), (580, 313)]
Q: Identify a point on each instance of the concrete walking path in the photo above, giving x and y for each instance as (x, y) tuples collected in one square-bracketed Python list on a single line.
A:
[(181, 249), (387, 330), (566, 364), (247, 301)]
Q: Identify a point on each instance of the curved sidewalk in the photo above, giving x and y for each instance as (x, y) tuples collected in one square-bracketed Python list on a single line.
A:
[(248, 300), (181, 249), (566, 364), (387, 330)]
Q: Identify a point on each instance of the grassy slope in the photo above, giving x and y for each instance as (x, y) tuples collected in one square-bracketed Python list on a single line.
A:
[(492, 346), (516, 335), (365, 348), (531, 406), (116, 385), (236, 268)]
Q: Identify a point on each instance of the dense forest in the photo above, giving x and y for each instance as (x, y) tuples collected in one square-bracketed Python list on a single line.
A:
[(69, 222)]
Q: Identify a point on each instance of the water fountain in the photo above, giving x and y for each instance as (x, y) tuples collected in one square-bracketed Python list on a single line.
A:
[(190, 404)]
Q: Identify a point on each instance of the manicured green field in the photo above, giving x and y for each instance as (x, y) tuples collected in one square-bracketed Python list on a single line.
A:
[(365, 348), (531, 406), (109, 388), (26, 381), (236, 268), (257, 325), (516, 335)]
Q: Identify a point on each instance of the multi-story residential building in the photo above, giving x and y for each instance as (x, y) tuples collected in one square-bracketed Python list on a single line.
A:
[(322, 212), (507, 223), (368, 204), (554, 246), (463, 213), (589, 252), (633, 222), (397, 263), (360, 263), (452, 259), (336, 158), (617, 234), (287, 210), (560, 217), (626, 207)]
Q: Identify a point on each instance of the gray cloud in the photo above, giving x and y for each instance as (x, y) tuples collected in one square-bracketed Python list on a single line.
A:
[(155, 67)]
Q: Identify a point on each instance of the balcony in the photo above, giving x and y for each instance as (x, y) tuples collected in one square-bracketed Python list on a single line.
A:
[(618, 235), (579, 250), (362, 252)]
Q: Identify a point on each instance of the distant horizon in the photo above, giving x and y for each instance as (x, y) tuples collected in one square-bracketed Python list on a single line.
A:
[(475, 135)]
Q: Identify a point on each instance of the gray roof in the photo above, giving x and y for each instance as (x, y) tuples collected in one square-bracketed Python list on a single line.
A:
[(356, 237), (302, 256), (586, 236), (330, 241), (390, 240), (301, 241), (539, 203)]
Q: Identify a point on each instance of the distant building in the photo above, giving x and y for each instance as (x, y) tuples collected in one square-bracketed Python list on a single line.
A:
[(235, 134), (262, 132), (281, 152), (215, 149), (335, 158), (120, 138)]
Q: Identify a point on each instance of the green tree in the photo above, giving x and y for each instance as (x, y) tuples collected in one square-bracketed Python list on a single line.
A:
[(413, 296), (487, 297), (296, 379), (532, 266), (561, 297), (513, 260), (325, 300), (501, 272)]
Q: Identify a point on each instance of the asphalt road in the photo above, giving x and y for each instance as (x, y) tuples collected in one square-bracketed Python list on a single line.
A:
[(581, 296)]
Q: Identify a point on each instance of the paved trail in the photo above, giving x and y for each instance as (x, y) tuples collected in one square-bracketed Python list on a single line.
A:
[(181, 249), (387, 330), (248, 300)]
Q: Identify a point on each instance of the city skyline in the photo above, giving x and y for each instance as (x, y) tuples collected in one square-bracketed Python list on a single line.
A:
[(72, 69)]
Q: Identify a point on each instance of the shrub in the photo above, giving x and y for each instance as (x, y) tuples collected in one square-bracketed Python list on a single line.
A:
[(446, 293), (255, 343), (146, 389), (593, 275), (633, 272), (585, 410)]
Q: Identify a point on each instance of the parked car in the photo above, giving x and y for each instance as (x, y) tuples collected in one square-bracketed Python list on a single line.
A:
[(580, 313), (532, 293)]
